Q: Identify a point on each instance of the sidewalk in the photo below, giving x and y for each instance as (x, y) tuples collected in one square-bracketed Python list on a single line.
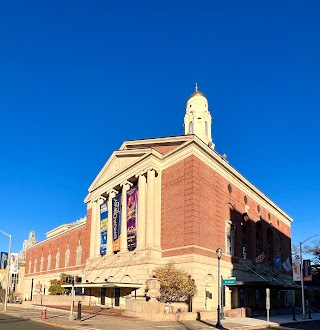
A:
[(100, 319)]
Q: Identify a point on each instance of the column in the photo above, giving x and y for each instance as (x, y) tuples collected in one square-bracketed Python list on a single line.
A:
[(151, 173), (157, 212), (141, 228), (93, 227), (112, 193), (100, 200), (123, 240)]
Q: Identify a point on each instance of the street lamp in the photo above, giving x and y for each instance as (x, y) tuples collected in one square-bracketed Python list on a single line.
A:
[(219, 255), (304, 317), (8, 271)]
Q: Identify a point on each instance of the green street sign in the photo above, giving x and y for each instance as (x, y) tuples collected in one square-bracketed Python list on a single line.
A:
[(229, 281)]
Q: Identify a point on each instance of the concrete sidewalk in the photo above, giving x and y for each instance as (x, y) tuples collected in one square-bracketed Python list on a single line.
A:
[(100, 319)]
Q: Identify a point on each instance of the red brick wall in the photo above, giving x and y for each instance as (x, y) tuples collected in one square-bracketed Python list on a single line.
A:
[(195, 206), (69, 239)]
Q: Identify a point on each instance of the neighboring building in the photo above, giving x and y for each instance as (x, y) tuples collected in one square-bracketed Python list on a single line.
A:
[(179, 200)]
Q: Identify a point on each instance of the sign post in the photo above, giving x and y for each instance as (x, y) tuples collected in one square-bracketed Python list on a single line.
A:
[(268, 303)]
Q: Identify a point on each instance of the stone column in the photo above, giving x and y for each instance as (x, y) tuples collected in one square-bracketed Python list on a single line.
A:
[(112, 193), (123, 241), (157, 213), (97, 227), (150, 207), (141, 228), (93, 228)]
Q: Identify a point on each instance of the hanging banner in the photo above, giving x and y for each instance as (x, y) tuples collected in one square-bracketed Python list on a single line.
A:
[(14, 263), (116, 222), (132, 217), (307, 270), (103, 227), (296, 270), (3, 260)]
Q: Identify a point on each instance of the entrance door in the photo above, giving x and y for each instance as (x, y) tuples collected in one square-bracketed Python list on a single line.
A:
[(117, 297), (103, 296)]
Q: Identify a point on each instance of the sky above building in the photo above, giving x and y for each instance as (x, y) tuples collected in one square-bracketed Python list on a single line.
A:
[(77, 78)]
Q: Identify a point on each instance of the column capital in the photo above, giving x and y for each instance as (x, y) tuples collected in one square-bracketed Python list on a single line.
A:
[(142, 173), (112, 191), (151, 169), (126, 183)]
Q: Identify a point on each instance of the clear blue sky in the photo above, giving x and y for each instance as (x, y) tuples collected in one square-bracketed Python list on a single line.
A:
[(77, 78)]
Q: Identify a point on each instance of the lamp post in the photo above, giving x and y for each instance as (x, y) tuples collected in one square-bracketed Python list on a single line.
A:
[(304, 317), (8, 271), (219, 255)]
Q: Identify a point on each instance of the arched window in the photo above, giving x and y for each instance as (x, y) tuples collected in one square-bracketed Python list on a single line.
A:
[(270, 245), (30, 262), (206, 127), (35, 264), (41, 263), (79, 254), (259, 241), (191, 127), (57, 259), (49, 261), (279, 248), (244, 240), (67, 259), (230, 229)]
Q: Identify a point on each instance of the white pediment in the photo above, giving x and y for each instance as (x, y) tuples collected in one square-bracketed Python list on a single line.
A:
[(117, 163)]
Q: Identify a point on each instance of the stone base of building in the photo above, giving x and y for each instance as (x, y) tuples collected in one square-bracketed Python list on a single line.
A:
[(156, 311)]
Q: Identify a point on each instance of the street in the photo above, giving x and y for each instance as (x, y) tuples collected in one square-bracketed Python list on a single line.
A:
[(310, 325), (14, 323)]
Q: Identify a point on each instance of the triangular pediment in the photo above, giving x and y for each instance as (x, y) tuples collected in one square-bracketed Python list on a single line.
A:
[(117, 163)]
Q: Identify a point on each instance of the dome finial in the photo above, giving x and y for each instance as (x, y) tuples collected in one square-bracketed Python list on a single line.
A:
[(196, 87)]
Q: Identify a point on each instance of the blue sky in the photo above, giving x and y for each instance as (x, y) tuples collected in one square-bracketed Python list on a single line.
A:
[(77, 78)]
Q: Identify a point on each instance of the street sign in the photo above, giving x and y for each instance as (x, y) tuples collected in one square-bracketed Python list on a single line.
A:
[(229, 281)]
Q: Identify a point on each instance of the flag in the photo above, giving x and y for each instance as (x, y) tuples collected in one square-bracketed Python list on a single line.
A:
[(277, 262), (286, 265), (260, 257)]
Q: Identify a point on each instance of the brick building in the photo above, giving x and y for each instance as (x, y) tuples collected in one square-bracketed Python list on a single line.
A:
[(172, 199)]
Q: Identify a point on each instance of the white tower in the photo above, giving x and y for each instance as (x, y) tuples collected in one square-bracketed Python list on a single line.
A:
[(198, 119)]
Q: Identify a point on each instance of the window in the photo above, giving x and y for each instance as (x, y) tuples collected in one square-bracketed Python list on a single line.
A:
[(30, 266), (270, 245), (244, 241), (41, 263), (79, 253), (259, 243), (35, 265), (49, 261), (57, 259), (206, 127), (67, 260), (191, 127), (230, 229)]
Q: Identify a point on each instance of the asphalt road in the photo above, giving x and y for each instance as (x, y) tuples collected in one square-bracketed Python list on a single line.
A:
[(14, 323), (310, 325)]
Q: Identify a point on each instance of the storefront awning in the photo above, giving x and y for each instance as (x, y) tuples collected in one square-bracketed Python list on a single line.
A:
[(133, 286), (268, 284)]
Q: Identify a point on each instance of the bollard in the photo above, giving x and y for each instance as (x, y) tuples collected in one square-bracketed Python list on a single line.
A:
[(294, 315), (309, 318), (44, 313), (79, 311)]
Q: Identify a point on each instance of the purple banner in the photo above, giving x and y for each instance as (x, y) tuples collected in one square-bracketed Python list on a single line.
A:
[(132, 216), (116, 222), (103, 227)]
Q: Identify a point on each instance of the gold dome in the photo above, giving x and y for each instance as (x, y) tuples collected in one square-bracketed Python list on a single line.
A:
[(196, 93)]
